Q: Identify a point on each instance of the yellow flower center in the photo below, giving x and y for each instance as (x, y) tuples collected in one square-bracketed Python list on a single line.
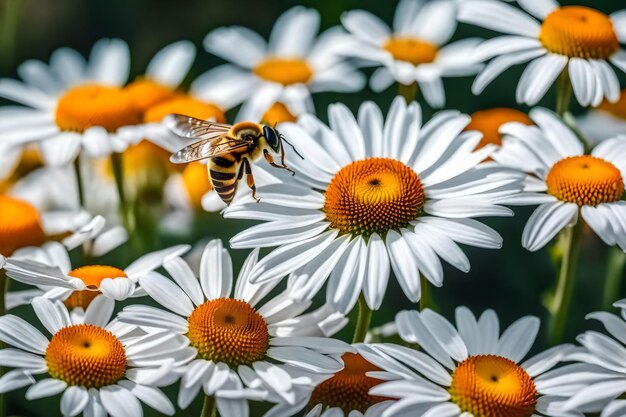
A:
[(493, 386), (284, 71), (86, 355), (374, 195), (278, 113), (585, 180), (86, 106), (92, 276), (617, 109), (579, 32), (20, 225), (196, 181), (228, 331), (348, 389), (413, 50), (489, 121), (146, 93), (185, 105)]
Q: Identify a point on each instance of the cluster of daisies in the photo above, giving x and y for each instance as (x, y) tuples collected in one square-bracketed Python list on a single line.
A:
[(86, 184)]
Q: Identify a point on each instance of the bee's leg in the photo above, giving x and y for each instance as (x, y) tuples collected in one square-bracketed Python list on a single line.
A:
[(249, 178), (270, 160)]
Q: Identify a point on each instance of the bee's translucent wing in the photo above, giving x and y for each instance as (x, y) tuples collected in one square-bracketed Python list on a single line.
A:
[(190, 127), (208, 148)]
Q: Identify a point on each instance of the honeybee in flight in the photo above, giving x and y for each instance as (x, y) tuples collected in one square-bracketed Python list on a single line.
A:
[(230, 150)]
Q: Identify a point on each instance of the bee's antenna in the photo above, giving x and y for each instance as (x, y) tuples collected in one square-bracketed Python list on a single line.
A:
[(292, 147)]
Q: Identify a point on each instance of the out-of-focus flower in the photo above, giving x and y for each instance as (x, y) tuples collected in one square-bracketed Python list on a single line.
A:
[(564, 181), (598, 378), (101, 367), (71, 105), (380, 196), (286, 70), (580, 40), (243, 351), (488, 123), (23, 224), (467, 370), (343, 394), (415, 50), (49, 267), (605, 121)]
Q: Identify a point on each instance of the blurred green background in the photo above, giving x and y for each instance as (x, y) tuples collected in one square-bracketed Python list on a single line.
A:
[(511, 280)]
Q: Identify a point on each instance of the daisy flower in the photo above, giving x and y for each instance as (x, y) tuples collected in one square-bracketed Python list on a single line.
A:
[(287, 69), (50, 266), (414, 50), (564, 181), (381, 196), (489, 121), (605, 121), (342, 394), (163, 75), (598, 378), (468, 370), (24, 224), (71, 106), (238, 343), (576, 41), (99, 366)]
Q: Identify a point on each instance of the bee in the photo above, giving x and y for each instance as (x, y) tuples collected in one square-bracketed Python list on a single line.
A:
[(230, 150)]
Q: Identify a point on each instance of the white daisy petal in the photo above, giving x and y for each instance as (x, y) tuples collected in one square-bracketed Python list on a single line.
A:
[(119, 402), (518, 338), (539, 8), (170, 65), (74, 400), (17, 332), (166, 293), (293, 32), (250, 46), (499, 17), (216, 271), (538, 77), (500, 64), (15, 379), (45, 388), (545, 222), (366, 26)]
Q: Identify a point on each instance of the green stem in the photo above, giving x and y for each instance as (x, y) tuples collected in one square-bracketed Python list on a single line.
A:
[(208, 408), (409, 92), (79, 182), (426, 298), (363, 322), (125, 208), (4, 290), (560, 302), (563, 94), (614, 273)]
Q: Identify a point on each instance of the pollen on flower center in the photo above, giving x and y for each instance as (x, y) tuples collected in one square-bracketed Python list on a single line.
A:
[(86, 106), (493, 386), (413, 50), (278, 113), (92, 276), (20, 225), (228, 331), (284, 71), (579, 32), (185, 105), (348, 389), (374, 195), (86, 355), (585, 180), (488, 122), (146, 93)]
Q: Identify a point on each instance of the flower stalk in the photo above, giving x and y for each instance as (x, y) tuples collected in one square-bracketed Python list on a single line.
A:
[(563, 94), (409, 92), (125, 209), (614, 272), (363, 321), (560, 302), (208, 407)]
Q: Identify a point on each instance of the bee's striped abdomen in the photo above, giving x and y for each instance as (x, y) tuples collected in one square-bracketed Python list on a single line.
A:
[(223, 172)]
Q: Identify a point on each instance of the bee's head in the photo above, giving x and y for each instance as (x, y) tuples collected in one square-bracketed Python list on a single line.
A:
[(273, 138)]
